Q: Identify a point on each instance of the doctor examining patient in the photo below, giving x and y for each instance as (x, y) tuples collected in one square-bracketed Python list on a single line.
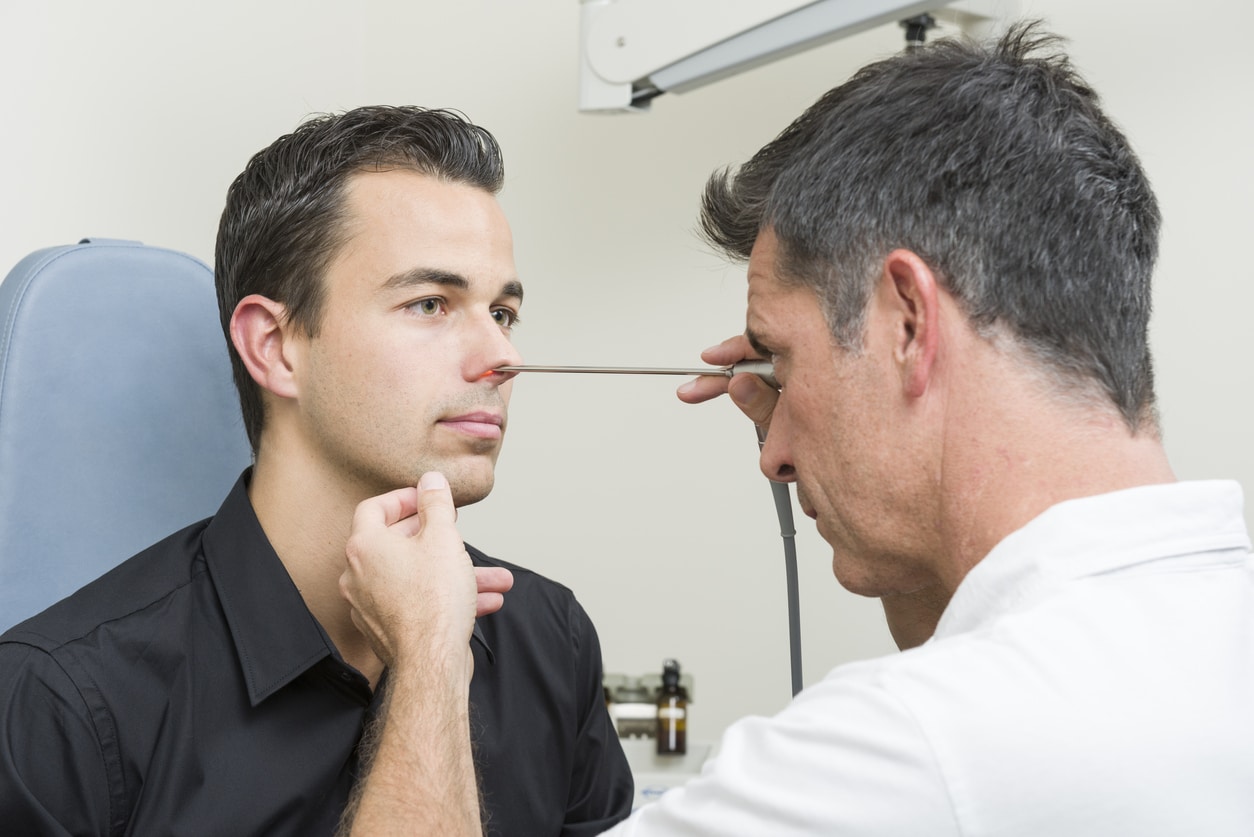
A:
[(948, 262)]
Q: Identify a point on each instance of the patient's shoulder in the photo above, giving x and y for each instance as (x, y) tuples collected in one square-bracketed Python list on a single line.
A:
[(123, 593)]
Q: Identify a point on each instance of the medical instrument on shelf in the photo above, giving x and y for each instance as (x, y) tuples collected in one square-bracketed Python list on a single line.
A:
[(779, 490)]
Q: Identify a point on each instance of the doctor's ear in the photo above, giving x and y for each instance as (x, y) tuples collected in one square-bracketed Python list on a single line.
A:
[(261, 335), (914, 293)]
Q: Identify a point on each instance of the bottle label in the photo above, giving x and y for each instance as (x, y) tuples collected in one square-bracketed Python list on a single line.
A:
[(675, 712)]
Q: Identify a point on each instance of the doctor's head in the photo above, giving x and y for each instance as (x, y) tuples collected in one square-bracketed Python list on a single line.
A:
[(975, 186), (995, 164)]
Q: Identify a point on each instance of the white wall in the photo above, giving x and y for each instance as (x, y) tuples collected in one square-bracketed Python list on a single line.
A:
[(129, 119)]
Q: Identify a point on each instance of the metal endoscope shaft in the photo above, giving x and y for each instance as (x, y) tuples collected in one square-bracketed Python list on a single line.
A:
[(761, 368)]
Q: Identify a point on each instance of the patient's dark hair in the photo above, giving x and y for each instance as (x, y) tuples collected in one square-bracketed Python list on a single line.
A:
[(995, 164), (284, 219)]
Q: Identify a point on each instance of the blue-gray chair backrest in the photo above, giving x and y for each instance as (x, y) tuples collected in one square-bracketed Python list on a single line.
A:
[(119, 422)]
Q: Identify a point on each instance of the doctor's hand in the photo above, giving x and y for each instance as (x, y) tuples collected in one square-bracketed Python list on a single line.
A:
[(754, 396), (411, 585)]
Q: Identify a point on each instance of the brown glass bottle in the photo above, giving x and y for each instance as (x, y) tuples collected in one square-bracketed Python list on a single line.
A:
[(672, 712)]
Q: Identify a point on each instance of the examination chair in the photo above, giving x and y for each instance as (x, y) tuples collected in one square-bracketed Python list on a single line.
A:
[(119, 421)]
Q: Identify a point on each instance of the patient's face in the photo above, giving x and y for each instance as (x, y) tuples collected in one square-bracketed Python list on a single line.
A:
[(418, 311)]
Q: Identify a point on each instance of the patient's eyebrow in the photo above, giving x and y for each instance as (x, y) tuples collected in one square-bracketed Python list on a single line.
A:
[(513, 288), (425, 276), (446, 278)]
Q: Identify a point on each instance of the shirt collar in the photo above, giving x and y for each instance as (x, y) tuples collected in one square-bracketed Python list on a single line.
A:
[(276, 637), (1101, 534)]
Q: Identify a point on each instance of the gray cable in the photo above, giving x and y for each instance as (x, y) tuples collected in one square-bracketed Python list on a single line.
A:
[(783, 508), (788, 531)]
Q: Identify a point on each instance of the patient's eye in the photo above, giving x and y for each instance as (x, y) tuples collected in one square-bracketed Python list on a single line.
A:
[(428, 306), (506, 318)]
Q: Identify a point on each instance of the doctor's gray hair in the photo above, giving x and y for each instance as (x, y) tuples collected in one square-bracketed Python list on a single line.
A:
[(993, 163)]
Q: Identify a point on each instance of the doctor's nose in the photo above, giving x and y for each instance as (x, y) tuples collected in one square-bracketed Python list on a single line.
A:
[(775, 459)]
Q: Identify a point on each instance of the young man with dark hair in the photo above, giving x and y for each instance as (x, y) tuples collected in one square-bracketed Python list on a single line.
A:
[(216, 683)]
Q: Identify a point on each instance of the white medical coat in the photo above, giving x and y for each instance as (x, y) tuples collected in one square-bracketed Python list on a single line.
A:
[(1092, 676)]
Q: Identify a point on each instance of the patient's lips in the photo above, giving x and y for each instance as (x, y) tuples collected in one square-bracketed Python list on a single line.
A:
[(480, 424)]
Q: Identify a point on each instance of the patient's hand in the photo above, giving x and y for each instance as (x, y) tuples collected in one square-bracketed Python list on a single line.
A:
[(409, 580)]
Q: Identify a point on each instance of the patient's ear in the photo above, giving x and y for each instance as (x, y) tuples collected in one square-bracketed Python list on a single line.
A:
[(262, 337)]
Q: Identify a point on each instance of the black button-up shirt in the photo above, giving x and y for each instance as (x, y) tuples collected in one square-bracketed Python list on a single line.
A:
[(189, 691)]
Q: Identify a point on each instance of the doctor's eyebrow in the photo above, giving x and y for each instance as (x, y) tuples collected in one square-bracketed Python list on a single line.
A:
[(757, 344), (445, 278)]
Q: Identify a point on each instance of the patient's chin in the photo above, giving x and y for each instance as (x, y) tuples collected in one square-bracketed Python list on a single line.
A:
[(467, 491)]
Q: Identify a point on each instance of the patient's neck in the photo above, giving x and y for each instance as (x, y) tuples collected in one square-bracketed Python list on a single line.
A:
[(306, 514)]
